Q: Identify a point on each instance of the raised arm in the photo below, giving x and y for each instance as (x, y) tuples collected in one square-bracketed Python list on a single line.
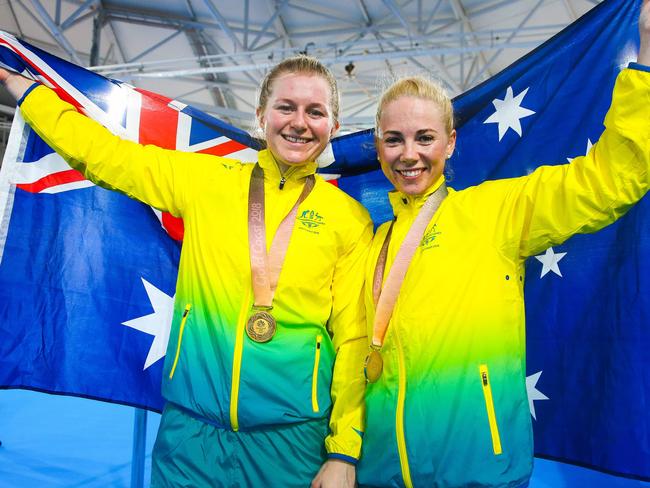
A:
[(150, 174), (555, 202)]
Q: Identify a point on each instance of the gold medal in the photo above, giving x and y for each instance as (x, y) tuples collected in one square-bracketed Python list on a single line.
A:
[(373, 365), (261, 327)]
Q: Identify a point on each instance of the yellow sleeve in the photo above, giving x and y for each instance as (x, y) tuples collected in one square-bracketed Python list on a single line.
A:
[(348, 327), (545, 208), (155, 176)]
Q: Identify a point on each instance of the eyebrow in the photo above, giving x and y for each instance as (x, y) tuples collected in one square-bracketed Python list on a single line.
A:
[(420, 131), (289, 100)]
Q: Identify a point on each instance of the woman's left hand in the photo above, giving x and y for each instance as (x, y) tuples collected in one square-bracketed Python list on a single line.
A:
[(335, 474)]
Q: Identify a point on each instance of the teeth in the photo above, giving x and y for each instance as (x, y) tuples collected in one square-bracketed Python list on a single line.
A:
[(411, 172), (296, 139)]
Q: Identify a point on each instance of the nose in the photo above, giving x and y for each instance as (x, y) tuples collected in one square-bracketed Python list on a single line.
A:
[(409, 154), (298, 121)]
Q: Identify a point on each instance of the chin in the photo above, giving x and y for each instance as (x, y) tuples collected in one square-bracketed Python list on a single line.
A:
[(416, 188)]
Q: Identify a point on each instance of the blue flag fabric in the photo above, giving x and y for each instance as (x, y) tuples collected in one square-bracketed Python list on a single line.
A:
[(87, 276)]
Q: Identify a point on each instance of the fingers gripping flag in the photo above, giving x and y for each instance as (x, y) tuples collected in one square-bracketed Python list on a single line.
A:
[(87, 276)]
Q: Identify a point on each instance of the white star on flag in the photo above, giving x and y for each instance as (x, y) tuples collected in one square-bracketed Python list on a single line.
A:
[(156, 324), (589, 146), (509, 112), (550, 260), (533, 392)]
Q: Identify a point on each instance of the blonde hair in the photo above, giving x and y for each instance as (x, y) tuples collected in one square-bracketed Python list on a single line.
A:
[(305, 65), (417, 87)]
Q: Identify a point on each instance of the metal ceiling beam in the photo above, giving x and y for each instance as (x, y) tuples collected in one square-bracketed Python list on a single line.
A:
[(443, 73), (246, 22), (153, 18), (98, 23), (155, 46), (327, 59), (265, 27), (13, 15), (441, 44), (282, 30), (118, 43), (57, 12), (223, 23), (226, 85), (570, 10), (510, 38), (395, 10), (203, 46), (56, 32), (7, 110), (461, 15), (429, 21), (267, 45), (318, 10), (137, 16), (485, 9), (84, 6)]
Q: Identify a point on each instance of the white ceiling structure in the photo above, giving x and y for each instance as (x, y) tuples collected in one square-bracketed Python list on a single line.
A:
[(212, 54)]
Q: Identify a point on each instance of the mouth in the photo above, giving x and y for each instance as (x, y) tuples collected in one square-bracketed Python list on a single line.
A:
[(296, 139), (411, 173)]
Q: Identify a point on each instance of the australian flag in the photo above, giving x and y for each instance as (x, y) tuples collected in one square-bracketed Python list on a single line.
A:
[(87, 276)]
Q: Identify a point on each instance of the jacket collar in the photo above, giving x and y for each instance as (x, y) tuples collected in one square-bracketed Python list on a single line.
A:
[(402, 202), (272, 171)]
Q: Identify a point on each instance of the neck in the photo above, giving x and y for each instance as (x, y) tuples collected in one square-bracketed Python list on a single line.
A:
[(283, 167)]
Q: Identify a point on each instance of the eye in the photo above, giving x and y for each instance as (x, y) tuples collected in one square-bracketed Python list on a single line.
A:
[(284, 108), (426, 139), (316, 112), (392, 140)]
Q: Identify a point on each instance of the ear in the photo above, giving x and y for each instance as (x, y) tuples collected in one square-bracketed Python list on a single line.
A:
[(378, 142), (451, 144), (260, 117), (335, 128)]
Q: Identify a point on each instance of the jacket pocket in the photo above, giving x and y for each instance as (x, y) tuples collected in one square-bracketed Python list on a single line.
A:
[(180, 339), (489, 406), (314, 378)]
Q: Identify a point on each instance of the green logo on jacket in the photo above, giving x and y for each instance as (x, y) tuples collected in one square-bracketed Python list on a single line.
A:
[(428, 240), (311, 220)]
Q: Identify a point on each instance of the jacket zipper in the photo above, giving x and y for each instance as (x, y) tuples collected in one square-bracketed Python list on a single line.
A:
[(180, 339), (283, 177), (314, 379), (489, 405), (399, 416), (236, 362)]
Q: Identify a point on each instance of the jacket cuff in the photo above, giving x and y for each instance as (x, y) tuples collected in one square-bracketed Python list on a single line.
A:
[(639, 67), (342, 457), (27, 92)]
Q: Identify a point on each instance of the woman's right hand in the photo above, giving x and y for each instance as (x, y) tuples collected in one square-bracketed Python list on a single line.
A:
[(15, 83)]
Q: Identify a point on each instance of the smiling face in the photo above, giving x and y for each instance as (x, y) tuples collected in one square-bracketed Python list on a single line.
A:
[(413, 144), (297, 119)]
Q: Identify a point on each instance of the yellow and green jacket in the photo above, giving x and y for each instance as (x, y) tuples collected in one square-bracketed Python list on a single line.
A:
[(307, 371), (450, 409)]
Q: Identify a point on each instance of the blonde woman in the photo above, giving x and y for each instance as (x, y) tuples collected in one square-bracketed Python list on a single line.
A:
[(446, 399), (268, 312)]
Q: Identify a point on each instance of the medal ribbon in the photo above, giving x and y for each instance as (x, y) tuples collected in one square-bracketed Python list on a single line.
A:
[(386, 297), (266, 268)]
